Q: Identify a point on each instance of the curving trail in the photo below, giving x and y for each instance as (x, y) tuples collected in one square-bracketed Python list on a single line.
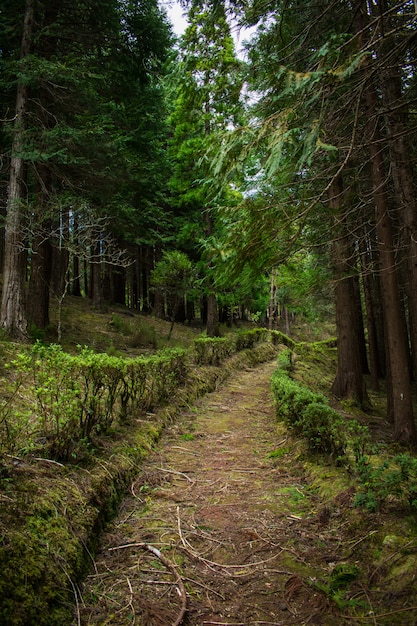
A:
[(220, 527)]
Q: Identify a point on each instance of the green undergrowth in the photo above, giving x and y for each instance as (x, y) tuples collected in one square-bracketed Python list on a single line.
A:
[(380, 472), (52, 514), (365, 485)]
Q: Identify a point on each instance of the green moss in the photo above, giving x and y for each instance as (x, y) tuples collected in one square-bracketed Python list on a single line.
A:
[(52, 522), (328, 481)]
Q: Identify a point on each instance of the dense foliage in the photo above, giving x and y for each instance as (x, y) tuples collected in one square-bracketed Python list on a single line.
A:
[(285, 178)]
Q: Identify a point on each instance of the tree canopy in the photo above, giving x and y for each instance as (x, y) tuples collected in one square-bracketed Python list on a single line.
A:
[(285, 176)]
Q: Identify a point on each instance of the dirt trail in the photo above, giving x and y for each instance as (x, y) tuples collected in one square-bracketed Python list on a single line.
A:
[(225, 502)]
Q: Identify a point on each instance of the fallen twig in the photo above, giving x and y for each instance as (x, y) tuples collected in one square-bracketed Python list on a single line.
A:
[(188, 547), (171, 471), (39, 458), (367, 618), (170, 566)]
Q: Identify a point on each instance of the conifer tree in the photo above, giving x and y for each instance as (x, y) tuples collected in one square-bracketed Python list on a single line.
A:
[(91, 133), (207, 101), (334, 82)]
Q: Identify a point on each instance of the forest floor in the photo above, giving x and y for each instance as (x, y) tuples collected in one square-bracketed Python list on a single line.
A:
[(230, 523)]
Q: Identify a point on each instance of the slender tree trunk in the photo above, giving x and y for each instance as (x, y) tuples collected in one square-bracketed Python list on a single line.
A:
[(76, 270), (348, 382), (147, 265), (41, 258), (119, 285), (135, 280), (13, 305), (60, 278), (76, 283), (399, 399), (371, 313), (405, 193), (95, 276), (40, 276), (272, 307), (396, 337), (360, 330), (107, 284), (212, 313)]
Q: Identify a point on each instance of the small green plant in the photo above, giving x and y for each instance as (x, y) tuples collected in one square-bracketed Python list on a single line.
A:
[(338, 584), (113, 351), (389, 478), (278, 453), (187, 437), (121, 325), (35, 333), (143, 336)]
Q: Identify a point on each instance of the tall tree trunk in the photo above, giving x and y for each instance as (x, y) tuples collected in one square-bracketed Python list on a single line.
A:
[(107, 284), (348, 382), (76, 283), (405, 194), (147, 264), (119, 285), (396, 337), (212, 326), (95, 286), (398, 372), (76, 271), (60, 278), (272, 306), (360, 329), (368, 276), (13, 305), (41, 258), (40, 276)]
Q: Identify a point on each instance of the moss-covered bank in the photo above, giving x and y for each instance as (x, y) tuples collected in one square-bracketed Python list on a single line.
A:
[(52, 515)]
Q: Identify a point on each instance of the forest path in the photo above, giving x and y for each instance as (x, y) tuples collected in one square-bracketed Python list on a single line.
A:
[(226, 505)]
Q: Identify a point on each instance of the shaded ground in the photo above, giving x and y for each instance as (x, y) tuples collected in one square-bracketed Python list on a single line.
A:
[(225, 517)]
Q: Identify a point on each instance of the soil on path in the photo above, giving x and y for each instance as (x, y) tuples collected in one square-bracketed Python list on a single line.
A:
[(222, 513)]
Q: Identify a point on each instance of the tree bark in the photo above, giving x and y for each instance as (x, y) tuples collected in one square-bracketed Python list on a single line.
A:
[(374, 327), (402, 174), (41, 257), (76, 270), (399, 399), (212, 327), (13, 305), (61, 256), (40, 275), (396, 337), (95, 265), (272, 306), (348, 382)]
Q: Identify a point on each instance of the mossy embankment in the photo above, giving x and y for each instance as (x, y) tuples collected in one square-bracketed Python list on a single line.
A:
[(52, 514)]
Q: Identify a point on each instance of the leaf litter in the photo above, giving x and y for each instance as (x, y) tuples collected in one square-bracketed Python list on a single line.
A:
[(224, 527)]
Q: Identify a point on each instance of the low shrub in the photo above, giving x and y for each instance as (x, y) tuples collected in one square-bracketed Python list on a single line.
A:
[(277, 338), (307, 413), (213, 350), (247, 339), (285, 361), (383, 480), (70, 398), (324, 429)]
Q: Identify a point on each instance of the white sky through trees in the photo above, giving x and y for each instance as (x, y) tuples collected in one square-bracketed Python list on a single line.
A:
[(177, 16)]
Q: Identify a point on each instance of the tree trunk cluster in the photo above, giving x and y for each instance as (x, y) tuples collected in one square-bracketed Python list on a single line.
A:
[(375, 245)]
